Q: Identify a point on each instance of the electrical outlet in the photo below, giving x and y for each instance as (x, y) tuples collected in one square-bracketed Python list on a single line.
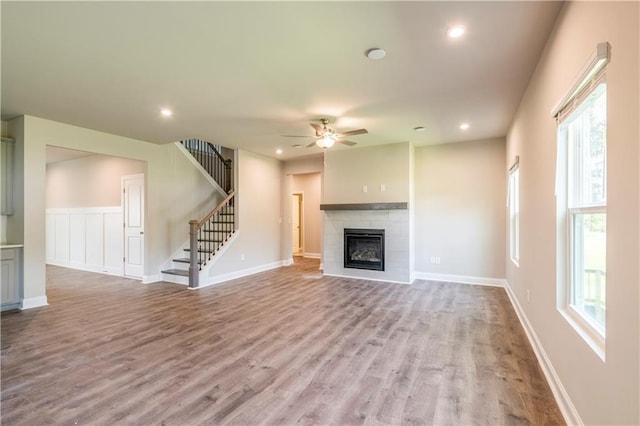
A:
[(364, 188), (432, 259), (437, 260), (242, 256), (382, 187)]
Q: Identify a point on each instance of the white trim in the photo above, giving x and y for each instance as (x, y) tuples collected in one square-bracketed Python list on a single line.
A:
[(201, 169), (366, 279), (33, 302), (149, 279), (84, 210), (461, 279), (560, 394), (288, 262), (90, 268), (175, 279), (311, 255), (239, 274)]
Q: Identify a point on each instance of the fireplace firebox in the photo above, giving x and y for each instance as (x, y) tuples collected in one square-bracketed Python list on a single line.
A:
[(364, 249)]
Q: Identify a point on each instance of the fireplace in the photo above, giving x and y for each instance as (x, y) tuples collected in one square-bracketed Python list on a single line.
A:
[(364, 249)]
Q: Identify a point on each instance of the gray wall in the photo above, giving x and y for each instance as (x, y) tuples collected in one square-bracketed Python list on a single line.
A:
[(460, 196)]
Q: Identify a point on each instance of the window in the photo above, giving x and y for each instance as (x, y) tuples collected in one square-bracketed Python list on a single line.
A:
[(514, 213), (585, 130), (581, 190)]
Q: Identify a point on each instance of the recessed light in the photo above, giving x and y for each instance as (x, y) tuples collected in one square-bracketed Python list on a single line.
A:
[(166, 112), (278, 151), (419, 129), (456, 31), (464, 126), (376, 53)]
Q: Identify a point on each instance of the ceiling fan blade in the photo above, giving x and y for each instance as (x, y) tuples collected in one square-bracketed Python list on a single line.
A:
[(311, 144), (296, 136), (353, 133), (344, 142), (317, 127)]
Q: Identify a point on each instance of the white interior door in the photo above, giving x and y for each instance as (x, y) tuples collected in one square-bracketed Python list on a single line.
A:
[(296, 229), (133, 209)]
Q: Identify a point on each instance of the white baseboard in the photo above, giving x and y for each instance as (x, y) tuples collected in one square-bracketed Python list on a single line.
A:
[(149, 279), (366, 279), (311, 255), (461, 279), (33, 302), (175, 279), (565, 404), (239, 274), (287, 262), (89, 268)]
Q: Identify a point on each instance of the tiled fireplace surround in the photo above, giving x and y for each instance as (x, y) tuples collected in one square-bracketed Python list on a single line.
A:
[(394, 221)]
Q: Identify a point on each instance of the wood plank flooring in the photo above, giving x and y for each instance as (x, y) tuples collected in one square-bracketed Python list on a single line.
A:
[(283, 347)]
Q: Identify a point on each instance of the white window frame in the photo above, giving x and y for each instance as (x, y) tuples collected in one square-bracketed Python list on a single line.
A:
[(592, 75), (514, 212)]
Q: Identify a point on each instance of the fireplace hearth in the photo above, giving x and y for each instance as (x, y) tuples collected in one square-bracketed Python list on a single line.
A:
[(364, 249)]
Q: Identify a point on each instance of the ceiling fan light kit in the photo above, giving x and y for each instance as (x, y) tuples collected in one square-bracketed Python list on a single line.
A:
[(326, 137), (325, 142)]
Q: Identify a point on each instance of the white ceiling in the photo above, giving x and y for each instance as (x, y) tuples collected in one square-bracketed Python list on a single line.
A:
[(244, 73)]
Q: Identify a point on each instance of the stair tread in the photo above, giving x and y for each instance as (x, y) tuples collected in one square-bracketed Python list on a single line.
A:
[(200, 250), (180, 272), (185, 260)]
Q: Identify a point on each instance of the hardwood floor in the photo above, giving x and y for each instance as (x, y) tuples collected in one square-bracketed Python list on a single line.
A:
[(283, 347)]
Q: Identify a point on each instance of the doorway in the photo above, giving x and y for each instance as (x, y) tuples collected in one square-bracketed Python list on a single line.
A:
[(297, 224), (133, 210)]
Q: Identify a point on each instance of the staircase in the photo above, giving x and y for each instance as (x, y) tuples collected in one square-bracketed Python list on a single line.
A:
[(207, 236)]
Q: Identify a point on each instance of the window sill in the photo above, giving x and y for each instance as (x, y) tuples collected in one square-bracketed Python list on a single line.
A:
[(591, 337)]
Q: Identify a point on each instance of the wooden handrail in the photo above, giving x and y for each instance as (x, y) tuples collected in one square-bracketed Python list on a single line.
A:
[(198, 230), (216, 210)]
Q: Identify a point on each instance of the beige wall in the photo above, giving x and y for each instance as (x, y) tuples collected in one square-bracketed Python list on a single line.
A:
[(260, 220), (602, 392), (460, 193), (348, 170), (93, 181), (309, 186)]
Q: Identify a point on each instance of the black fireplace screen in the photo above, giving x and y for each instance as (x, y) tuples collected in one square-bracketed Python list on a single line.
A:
[(364, 249)]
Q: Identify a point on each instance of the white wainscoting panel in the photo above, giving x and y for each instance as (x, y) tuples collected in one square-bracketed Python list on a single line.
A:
[(62, 238), (50, 235), (113, 243), (94, 239), (86, 238), (77, 229)]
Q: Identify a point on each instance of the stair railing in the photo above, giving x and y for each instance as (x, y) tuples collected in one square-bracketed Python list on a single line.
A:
[(209, 157), (206, 236)]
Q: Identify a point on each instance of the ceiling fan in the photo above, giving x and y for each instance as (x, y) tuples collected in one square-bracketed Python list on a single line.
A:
[(326, 137)]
